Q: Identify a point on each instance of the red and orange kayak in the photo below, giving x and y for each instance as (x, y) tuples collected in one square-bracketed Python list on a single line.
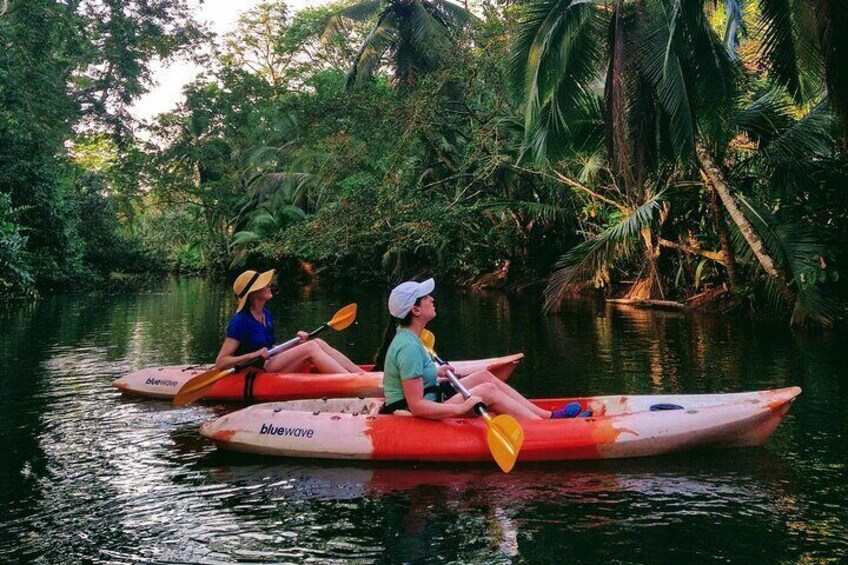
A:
[(621, 426), (245, 386)]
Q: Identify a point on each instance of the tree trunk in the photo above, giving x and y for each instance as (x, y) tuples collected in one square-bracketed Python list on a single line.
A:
[(615, 96), (723, 238), (715, 178), (650, 287)]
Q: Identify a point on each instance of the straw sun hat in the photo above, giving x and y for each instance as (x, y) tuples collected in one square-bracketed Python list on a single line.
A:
[(250, 281)]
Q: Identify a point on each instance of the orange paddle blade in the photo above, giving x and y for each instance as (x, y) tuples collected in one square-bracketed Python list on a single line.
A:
[(505, 435), (505, 438), (343, 317), (196, 387), (428, 339)]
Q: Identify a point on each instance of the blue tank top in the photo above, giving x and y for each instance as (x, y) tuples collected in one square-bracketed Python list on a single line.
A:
[(250, 334)]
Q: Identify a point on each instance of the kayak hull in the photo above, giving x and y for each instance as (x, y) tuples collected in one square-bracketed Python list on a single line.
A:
[(623, 426), (164, 382)]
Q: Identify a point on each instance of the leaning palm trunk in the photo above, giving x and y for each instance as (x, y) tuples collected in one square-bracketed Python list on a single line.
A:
[(715, 178)]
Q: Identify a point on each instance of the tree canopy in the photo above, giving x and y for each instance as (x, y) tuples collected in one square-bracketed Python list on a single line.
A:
[(651, 150)]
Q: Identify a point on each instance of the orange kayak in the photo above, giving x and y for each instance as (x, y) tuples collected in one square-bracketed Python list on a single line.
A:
[(250, 387)]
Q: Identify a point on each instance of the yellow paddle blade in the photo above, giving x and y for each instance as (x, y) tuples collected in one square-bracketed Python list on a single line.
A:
[(196, 387), (343, 317), (505, 438), (428, 340)]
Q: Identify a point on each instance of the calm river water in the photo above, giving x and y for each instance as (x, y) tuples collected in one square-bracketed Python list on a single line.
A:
[(91, 477)]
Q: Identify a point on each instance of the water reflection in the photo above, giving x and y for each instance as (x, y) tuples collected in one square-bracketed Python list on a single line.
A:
[(422, 509), (554, 482)]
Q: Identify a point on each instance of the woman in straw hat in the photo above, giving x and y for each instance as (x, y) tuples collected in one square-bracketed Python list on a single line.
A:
[(412, 382), (250, 334)]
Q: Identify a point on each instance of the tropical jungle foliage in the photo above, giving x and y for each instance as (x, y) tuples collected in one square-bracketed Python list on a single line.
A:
[(655, 150)]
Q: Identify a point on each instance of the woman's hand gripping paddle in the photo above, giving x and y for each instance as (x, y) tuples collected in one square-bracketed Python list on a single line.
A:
[(505, 434), (197, 387)]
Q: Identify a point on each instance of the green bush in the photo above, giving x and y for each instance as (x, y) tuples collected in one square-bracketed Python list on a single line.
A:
[(15, 276)]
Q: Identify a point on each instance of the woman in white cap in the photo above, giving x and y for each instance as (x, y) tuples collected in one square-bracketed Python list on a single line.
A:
[(411, 381), (250, 334)]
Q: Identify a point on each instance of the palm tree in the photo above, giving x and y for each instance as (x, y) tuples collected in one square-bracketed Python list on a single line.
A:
[(670, 91), (649, 89), (414, 34)]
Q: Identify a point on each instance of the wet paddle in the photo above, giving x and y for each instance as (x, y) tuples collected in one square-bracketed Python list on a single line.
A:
[(197, 387), (505, 434)]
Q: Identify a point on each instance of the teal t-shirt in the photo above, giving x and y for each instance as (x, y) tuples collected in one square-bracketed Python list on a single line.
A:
[(406, 359)]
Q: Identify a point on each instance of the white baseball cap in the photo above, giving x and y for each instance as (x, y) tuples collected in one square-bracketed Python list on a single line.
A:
[(404, 295)]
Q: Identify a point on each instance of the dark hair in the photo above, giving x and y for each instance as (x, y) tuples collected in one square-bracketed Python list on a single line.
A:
[(389, 335)]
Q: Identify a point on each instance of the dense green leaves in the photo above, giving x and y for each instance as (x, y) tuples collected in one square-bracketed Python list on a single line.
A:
[(67, 67), (652, 149), (15, 277)]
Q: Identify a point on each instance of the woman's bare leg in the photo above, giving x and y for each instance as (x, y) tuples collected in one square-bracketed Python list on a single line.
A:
[(482, 377), (295, 358), (499, 402), (350, 366)]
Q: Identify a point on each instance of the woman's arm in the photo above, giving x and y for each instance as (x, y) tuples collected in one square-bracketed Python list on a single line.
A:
[(413, 392), (227, 359)]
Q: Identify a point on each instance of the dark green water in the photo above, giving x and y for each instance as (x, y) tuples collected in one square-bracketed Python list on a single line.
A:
[(89, 476)]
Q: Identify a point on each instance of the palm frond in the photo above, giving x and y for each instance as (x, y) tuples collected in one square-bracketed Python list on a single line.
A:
[(565, 124), (614, 243), (426, 29), (455, 14), (556, 53), (263, 156), (764, 119), (778, 44), (789, 46), (370, 54), (407, 62), (363, 11), (817, 306), (533, 31), (244, 238), (263, 221), (663, 68), (799, 250), (265, 185), (807, 138), (712, 74)]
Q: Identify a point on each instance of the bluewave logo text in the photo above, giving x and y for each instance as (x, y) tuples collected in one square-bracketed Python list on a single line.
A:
[(161, 382), (272, 430)]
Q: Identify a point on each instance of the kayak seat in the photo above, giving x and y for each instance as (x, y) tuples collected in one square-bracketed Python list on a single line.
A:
[(660, 407)]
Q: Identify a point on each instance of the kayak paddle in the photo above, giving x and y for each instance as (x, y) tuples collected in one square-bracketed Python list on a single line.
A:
[(505, 434), (197, 387)]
